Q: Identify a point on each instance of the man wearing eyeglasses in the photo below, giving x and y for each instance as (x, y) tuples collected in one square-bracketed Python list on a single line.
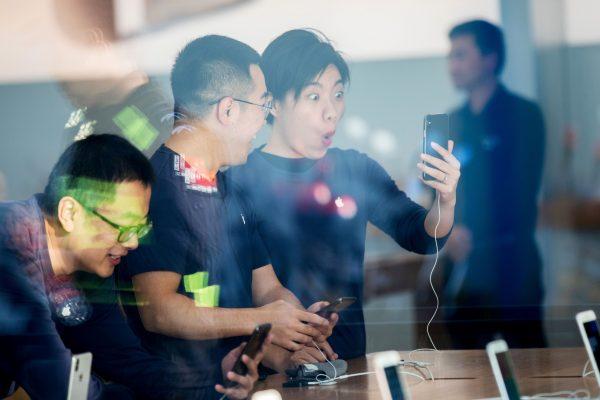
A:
[(58, 251), (204, 281)]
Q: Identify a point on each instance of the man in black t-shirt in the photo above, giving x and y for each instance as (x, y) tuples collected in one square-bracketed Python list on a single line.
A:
[(204, 269)]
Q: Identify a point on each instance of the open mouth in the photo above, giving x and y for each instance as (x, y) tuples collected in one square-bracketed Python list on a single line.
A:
[(328, 138), (114, 259)]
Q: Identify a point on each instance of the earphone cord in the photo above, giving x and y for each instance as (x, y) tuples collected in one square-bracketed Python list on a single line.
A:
[(584, 373), (437, 254), (327, 359), (336, 377)]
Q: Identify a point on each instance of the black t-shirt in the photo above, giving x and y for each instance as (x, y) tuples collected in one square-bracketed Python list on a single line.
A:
[(198, 230), (501, 151), (313, 215)]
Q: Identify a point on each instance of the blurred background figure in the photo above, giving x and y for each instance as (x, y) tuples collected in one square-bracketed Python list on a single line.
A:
[(493, 283), (125, 100)]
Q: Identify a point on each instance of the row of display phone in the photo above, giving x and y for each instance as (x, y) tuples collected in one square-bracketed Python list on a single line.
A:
[(389, 374), (393, 387)]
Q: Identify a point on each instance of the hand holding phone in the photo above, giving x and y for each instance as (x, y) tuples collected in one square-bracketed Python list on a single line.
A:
[(440, 168), (252, 348), (436, 129), (293, 327)]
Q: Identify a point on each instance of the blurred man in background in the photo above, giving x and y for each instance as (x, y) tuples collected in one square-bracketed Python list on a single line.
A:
[(493, 282)]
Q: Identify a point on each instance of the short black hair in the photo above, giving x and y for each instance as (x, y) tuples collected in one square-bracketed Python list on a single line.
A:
[(487, 36), (292, 60), (89, 169), (209, 68)]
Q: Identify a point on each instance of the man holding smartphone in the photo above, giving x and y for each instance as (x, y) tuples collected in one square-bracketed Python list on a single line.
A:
[(203, 279), (58, 251), (494, 282)]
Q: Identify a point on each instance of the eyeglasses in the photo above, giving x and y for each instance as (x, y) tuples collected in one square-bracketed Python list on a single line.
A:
[(266, 107), (125, 232)]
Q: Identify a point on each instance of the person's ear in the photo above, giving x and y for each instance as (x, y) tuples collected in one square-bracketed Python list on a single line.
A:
[(491, 62), (227, 111), (68, 211), (276, 108)]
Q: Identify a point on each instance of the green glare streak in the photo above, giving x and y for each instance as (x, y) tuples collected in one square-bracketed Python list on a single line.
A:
[(136, 127)]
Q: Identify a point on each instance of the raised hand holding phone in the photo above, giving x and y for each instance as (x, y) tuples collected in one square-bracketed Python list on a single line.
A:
[(440, 168)]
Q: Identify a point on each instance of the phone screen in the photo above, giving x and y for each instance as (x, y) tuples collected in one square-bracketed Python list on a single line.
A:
[(593, 335), (393, 380), (508, 376), (436, 129)]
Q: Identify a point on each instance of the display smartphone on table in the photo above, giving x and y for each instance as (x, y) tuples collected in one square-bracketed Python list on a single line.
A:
[(79, 378), (336, 306), (254, 345), (436, 128), (503, 370), (588, 327), (390, 380)]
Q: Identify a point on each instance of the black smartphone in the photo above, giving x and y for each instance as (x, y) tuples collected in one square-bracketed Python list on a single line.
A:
[(254, 345), (336, 306), (436, 128)]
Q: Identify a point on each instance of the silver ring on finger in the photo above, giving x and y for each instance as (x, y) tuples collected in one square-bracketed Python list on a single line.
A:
[(445, 178)]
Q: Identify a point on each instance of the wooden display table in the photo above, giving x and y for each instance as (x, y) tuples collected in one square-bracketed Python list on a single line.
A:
[(459, 374)]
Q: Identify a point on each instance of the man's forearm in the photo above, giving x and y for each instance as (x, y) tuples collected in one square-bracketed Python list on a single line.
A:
[(278, 293), (445, 215), (178, 316)]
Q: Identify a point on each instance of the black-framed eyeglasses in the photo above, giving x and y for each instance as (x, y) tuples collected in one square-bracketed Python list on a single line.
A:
[(266, 107), (125, 232)]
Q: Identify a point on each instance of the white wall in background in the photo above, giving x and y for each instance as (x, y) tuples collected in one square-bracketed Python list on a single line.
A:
[(574, 22), (519, 72), (375, 29), (582, 22), (34, 48), (548, 22)]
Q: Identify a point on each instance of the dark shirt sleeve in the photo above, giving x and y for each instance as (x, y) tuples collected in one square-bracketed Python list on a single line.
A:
[(393, 212), (119, 356), (31, 347), (168, 245), (259, 255)]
